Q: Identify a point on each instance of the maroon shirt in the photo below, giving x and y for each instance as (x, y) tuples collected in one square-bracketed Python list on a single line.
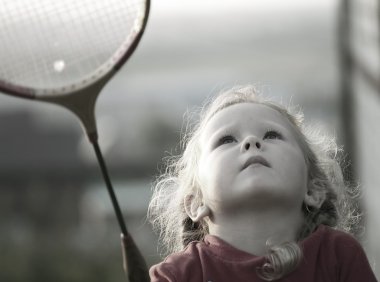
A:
[(328, 256)]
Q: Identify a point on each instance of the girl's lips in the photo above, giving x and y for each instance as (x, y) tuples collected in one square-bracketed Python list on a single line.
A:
[(255, 160)]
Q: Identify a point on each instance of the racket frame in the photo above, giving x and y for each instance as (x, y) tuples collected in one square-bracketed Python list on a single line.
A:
[(80, 98)]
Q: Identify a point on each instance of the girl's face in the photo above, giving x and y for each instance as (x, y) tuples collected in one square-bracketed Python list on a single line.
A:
[(250, 158)]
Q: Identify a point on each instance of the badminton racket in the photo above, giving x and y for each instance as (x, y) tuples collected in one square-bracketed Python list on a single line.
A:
[(64, 52)]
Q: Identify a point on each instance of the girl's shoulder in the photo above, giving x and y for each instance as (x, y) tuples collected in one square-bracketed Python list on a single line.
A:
[(333, 255), (185, 263), (336, 249), (333, 239)]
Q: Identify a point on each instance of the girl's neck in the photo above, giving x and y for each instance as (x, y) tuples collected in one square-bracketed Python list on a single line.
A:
[(253, 233)]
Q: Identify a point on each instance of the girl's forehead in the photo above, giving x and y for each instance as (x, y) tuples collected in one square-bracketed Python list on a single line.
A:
[(250, 113)]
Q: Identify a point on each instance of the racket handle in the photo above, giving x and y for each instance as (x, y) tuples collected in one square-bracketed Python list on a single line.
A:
[(133, 262)]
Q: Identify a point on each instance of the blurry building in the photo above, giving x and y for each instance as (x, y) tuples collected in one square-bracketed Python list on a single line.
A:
[(360, 70)]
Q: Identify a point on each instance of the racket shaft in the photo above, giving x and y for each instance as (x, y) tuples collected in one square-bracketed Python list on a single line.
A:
[(137, 269)]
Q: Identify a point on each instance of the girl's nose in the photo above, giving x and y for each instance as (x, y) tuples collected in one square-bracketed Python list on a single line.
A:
[(251, 142)]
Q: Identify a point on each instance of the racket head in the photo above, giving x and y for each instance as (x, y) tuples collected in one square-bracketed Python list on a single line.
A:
[(55, 48)]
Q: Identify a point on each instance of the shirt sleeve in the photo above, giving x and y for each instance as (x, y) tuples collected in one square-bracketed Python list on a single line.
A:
[(161, 273), (355, 265)]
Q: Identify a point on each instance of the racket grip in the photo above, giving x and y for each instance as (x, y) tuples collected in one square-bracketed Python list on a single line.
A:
[(133, 262)]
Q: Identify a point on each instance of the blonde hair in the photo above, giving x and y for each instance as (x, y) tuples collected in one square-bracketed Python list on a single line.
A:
[(167, 212)]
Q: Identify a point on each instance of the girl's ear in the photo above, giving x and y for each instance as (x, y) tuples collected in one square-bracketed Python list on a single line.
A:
[(314, 196), (195, 208)]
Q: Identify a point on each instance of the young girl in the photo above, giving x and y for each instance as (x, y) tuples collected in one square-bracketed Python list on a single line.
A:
[(256, 196)]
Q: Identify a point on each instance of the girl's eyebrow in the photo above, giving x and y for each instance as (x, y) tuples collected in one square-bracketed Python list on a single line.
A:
[(286, 131), (275, 125), (220, 131)]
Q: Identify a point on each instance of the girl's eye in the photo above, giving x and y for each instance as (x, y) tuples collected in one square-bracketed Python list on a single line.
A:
[(272, 134), (226, 140)]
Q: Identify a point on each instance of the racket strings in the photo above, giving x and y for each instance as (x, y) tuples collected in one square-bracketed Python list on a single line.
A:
[(51, 44)]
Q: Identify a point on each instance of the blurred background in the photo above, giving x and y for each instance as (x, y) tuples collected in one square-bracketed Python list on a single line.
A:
[(56, 220)]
